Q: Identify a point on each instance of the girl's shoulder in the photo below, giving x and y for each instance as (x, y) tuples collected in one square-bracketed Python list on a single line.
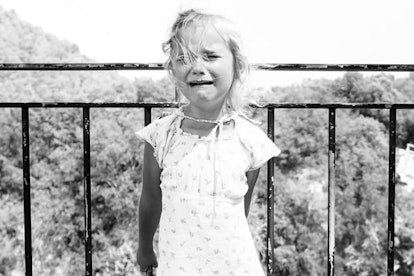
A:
[(255, 142), (154, 132), (164, 121), (245, 125)]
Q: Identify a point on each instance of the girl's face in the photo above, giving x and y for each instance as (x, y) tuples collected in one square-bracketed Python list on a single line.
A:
[(206, 81)]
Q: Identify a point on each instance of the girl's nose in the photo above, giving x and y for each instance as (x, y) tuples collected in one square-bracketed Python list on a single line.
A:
[(198, 67)]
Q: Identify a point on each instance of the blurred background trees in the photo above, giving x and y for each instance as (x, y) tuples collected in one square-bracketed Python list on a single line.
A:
[(301, 169)]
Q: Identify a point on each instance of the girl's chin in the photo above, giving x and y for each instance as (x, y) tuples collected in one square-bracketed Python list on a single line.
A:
[(203, 93), (203, 90)]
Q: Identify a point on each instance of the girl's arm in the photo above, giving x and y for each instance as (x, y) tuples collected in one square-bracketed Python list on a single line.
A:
[(251, 181), (149, 208)]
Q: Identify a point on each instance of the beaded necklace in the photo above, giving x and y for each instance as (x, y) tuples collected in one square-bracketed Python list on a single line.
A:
[(225, 118), (200, 120)]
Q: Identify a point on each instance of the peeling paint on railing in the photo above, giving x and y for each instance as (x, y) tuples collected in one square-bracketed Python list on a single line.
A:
[(270, 197), (331, 191), (332, 67), (87, 191), (160, 66), (174, 105), (80, 66), (391, 190), (26, 192)]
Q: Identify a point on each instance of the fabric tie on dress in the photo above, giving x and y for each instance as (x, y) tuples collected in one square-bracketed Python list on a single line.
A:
[(213, 138)]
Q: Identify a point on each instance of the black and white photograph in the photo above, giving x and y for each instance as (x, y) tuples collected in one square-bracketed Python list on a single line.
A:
[(206, 138)]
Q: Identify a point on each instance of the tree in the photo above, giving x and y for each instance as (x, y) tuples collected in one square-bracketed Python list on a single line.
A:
[(154, 91), (361, 196)]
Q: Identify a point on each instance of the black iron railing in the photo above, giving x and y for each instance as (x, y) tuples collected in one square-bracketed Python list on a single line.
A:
[(270, 177)]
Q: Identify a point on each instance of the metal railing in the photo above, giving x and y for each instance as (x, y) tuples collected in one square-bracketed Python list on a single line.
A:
[(271, 164)]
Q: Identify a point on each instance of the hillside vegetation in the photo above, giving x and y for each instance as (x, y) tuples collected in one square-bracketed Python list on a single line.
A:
[(301, 169)]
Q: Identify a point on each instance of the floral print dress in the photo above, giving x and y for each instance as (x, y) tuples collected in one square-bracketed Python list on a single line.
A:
[(203, 229)]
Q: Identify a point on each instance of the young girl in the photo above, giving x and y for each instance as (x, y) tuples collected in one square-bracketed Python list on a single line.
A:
[(202, 161)]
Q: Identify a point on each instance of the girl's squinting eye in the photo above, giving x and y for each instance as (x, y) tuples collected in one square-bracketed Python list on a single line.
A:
[(211, 57), (180, 59)]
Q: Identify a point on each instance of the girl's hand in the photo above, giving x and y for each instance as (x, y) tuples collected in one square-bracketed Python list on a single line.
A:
[(146, 259), (149, 272)]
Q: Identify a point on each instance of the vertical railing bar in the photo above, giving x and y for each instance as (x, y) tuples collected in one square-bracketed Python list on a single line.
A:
[(270, 262), (147, 121), (147, 115), (87, 191), (26, 192), (391, 190), (331, 193)]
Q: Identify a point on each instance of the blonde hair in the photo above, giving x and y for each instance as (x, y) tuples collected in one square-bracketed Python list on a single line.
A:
[(175, 48)]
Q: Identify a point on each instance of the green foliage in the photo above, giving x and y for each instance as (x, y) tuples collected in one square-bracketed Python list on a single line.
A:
[(150, 91), (301, 134), (361, 193)]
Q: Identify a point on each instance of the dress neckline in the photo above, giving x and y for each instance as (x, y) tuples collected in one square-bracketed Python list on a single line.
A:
[(219, 125)]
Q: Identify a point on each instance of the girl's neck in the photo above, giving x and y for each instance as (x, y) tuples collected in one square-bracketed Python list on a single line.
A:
[(205, 113), (200, 121)]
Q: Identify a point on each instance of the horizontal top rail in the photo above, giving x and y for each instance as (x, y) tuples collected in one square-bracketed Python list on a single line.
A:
[(174, 104), (160, 66)]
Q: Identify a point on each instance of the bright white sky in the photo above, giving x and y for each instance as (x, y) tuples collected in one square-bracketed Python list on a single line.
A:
[(275, 31)]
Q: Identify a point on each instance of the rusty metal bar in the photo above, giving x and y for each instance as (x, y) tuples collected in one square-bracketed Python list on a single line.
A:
[(147, 115), (81, 105), (160, 66), (173, 105), (331, 193), (80, 66), (147, 121), (26, 192), (87, 191), (270, 247), (333, 67), (391, 190), (342, 105)]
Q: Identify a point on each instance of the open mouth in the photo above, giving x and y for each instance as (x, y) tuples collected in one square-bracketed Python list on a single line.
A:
[(195, 83)]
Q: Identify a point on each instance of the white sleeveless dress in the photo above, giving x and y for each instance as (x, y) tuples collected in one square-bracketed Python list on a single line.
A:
[(203, 229)]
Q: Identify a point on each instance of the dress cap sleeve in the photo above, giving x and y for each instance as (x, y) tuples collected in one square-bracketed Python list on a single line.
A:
[(156, 134), (258, 146)]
